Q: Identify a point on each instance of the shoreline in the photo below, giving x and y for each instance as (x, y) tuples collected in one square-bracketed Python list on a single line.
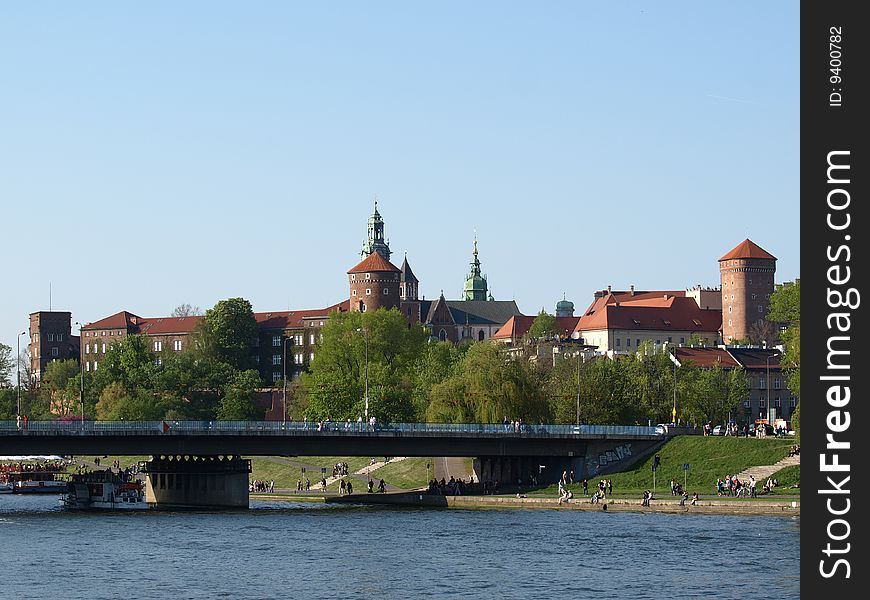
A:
[(419, 499)]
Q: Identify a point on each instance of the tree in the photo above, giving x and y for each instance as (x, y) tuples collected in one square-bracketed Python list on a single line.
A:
[(709, 394), (544, 326), (238, 404), (228, 332), (335, 385), (62, 384), (186, 310), (763, 332), (6, 364), (485, 387), (435, 364), (785, 308), (697, 339)]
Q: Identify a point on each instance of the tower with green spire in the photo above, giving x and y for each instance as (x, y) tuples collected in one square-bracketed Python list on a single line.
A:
[(376, 241), (475, 284)]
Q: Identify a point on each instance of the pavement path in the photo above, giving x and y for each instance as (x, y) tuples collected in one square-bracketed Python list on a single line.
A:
[(445, 467), (762, 472)]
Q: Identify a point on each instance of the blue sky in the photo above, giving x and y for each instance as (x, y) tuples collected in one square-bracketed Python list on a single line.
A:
[(153, 154)]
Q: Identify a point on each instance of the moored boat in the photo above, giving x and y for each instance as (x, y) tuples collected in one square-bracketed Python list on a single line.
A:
[(104, 490), (39, 478)]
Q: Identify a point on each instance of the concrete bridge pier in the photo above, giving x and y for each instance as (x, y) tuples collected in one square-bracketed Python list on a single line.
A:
[(193, 481)]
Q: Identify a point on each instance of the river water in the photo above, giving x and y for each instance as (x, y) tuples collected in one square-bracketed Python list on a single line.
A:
[(304, 550)]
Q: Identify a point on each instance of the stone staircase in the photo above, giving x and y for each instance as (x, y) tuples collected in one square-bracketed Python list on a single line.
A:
[(762, 472)]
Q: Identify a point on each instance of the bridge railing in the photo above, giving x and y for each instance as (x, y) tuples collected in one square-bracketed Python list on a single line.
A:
[(313, 428)]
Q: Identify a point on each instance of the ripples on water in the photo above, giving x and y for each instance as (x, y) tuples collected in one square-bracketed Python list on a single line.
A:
[(279, 550)]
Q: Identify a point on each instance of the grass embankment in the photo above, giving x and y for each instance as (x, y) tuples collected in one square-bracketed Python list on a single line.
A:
[(408, 474), (786, 478), (709, 458)]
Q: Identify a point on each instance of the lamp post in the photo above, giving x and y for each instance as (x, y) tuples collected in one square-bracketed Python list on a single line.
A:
[(366, 336), (579, 358), (284, 363), (18, 372), (82, 377)]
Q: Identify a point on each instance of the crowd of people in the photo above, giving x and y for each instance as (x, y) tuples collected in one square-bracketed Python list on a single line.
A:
[(512, 425), (454, 487), (267, 487), (732, 486), (16, 467)]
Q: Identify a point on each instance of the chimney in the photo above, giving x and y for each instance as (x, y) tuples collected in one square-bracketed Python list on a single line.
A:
[(608, 289), (632, 289)]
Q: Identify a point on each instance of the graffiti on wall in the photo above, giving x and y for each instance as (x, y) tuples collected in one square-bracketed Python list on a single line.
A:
[(617, 454)]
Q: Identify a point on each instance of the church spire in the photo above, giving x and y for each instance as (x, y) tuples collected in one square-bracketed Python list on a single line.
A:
[(376, 241), (475, 284)]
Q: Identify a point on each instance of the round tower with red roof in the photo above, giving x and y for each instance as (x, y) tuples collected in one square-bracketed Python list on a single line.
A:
[(374, 284), (747, 274)]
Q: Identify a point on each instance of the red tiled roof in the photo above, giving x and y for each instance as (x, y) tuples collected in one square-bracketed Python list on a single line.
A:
[(666, 312), (119, 320), (748, 249), (181, 325), (706, 357), (519, 325), (375, 263)]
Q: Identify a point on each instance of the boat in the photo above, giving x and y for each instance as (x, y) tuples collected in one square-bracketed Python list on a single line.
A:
[(5, 488), (33, 479), (104, 490)]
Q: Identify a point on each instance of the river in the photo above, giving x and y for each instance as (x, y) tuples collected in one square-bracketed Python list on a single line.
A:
[(305, 550)]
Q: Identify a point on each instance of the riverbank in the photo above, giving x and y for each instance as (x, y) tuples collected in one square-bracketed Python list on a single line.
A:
[(737, 506)]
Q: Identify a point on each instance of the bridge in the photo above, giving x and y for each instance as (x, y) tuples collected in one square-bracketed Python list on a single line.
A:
[(271, 438), (199, 463)]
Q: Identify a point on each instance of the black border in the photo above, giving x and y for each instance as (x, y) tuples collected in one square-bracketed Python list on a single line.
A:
[(826, 128)]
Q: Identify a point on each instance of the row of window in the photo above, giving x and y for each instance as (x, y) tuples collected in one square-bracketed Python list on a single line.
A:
[(54, 337), (775, 403), (296, 339), (637, 342), (369, 276), (102, 333), (369, 292)]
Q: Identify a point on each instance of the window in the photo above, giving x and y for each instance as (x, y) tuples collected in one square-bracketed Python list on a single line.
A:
[(618, 340), (746, 404), (368, 275), (311, 357), (104, 348), (119, 333), (670, 339), (95, 365), (760, 308), (54, 351), (368, 291), (158, 362), (158, 346), (353, 277), (628, 342), (636, 344), (362, 306), (729, 322), (750, 282), (50, 337), (276, 359), (353, 293), (762, 404), (776, 383), (386, 291), (176, 345), (103, 333), (87, 348), (729, 310), (480, 335), (297, 339), (321, 338), (88, 366), (276, 376), (682, 340), (297, 358), (762, 383), (276, 340), (111, 333), (311, 339), (777, 403), (753, 296), (59, 337), (442, 335)]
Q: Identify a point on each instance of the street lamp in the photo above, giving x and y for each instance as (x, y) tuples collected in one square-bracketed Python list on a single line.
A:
[(284, 363), (18, 372), (82, 381), (366, 335), (579, 357)]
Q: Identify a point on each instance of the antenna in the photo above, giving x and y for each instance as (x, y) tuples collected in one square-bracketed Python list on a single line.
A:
[(49, 296)]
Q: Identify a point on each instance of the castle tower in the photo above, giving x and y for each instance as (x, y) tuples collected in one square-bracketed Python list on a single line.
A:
[(50, 339), (374, 284), (408, 282), (475, 284), (747, 274), (564, 308), (376, 241)]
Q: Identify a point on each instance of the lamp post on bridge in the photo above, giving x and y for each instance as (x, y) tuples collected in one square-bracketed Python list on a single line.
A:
[(18, 375), (366, 336), (284, 364), (81, 377)]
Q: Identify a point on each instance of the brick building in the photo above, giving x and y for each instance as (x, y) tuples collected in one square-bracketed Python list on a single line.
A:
[(747, 273), (299, 330), (50, 339), (769, 396)]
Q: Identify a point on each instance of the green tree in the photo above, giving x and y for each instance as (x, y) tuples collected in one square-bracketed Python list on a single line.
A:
[(544, 326), (7, 364), (709, 394), (61, 384), (785, 308), (436, 362), (239, 402), (227, 333), (335, 385), (485, 387), (117, 403)]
